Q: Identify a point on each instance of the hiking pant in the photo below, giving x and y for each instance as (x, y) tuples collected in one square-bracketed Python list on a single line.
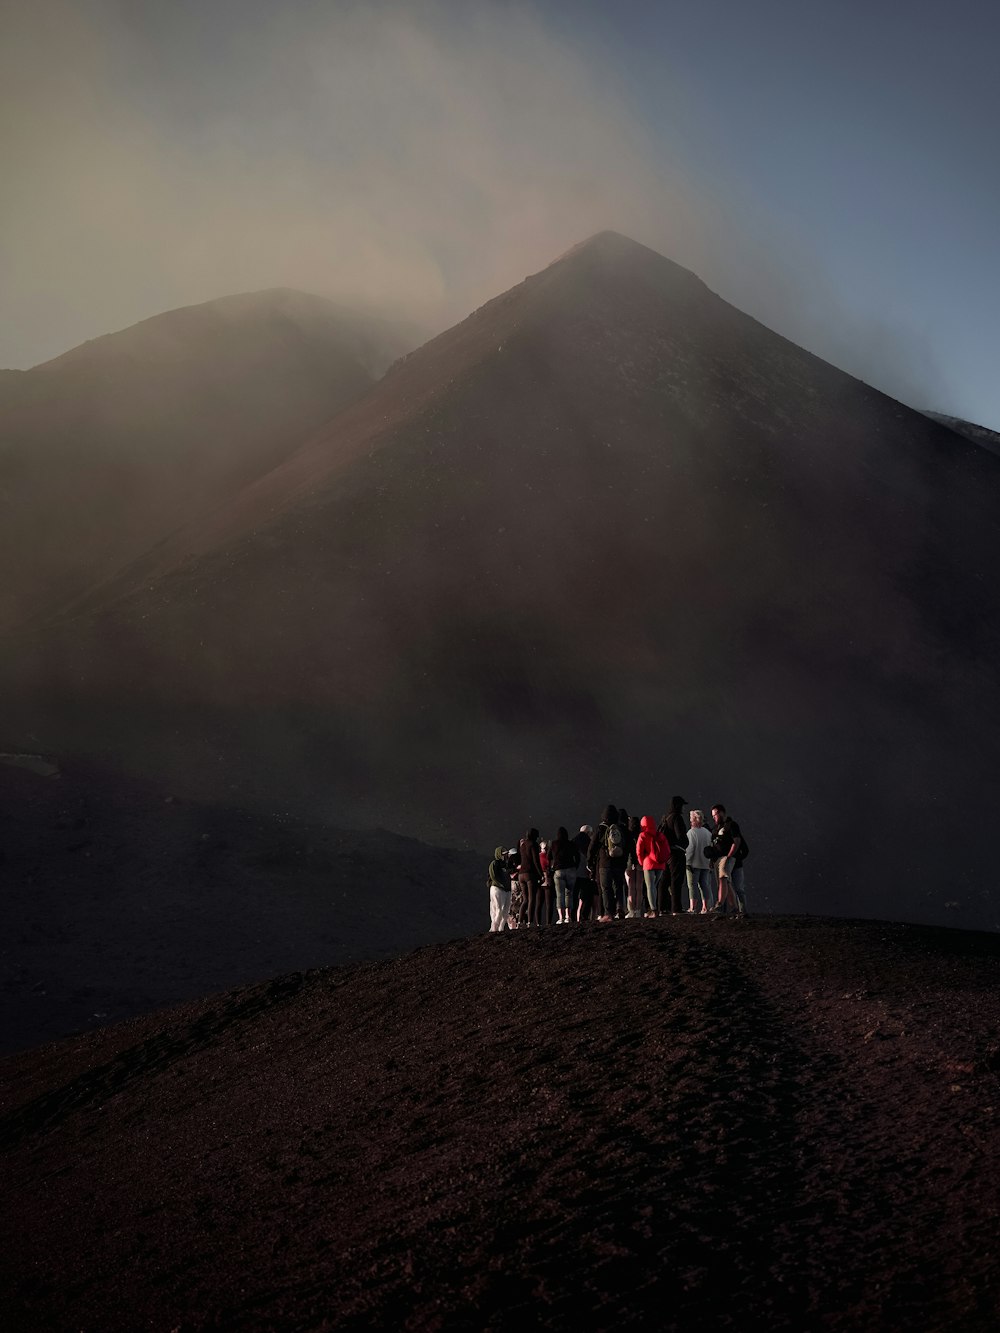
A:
[(633, 883), (499, 907), (565, 879), (612, 882), (678, 875), (736, 879), (700, 887), (652, 876), (585, 890)]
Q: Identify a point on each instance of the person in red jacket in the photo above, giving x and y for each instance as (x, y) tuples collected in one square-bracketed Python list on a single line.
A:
[(653, 853)]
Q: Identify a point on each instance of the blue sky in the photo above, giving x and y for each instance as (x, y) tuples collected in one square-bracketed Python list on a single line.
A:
[(831, 168)]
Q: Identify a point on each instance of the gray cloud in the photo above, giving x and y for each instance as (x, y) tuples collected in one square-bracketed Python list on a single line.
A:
[(416, 159)]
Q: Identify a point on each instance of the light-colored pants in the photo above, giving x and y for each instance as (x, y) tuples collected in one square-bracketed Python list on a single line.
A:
[(565, 879), (633, 882), (700, 886), (652, 876), (499, 907)]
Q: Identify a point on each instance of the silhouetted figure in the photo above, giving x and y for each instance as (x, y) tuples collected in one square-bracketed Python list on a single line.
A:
[(529, 874), (607, 858), (586, 889), (674, 825), (544, 898), (564, 857), (732, 850), (633, 871)]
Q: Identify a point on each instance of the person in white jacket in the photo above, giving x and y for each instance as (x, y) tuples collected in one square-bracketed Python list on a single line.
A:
[(699, 871)]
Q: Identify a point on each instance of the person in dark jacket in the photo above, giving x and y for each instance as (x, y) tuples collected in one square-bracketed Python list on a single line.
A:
[(674, 825), (633, 871), (529, 874), (732, 849), (544, 899), (498, 880), (585, 886), (607, 858)]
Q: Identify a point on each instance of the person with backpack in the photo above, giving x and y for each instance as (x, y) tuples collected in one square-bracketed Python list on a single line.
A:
[(674, 825), (733, 851), (607, 858), (699, 872), (529, 873), (653, 854), (498, 879), (564, 857)]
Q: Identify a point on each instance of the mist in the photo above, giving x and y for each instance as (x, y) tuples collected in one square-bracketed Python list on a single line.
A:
[(407, 160)]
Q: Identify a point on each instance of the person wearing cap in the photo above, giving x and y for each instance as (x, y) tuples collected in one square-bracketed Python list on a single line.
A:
[(674, 825)]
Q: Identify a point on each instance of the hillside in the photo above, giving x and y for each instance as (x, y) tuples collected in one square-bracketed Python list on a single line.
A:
[(108, 448), (989, 439), (788, 1124), (609, 538), (120, 897)]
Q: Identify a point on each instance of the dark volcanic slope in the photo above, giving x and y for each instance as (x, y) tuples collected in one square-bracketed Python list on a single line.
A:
[(119, 898), (989, 439), (792, 1124), (106, 449), (608, 538)]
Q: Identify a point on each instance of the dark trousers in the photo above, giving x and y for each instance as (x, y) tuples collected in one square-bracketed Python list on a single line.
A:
[(612, 883), (678, 881)]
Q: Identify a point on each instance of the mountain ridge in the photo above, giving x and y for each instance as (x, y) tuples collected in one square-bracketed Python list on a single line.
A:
[(408, 617), (119, 441)]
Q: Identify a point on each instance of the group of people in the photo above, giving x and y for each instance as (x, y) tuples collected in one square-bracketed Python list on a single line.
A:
[(625, 867)]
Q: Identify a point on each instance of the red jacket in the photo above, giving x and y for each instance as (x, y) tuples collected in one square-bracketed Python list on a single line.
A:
[(652, 849)]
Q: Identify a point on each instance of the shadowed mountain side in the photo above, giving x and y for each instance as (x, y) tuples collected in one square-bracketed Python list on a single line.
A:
[(989, 439), (119, 898), (791, 1124), (608, 538), (106, 449)]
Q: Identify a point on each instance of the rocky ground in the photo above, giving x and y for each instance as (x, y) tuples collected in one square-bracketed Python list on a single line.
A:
[(788, 1123)]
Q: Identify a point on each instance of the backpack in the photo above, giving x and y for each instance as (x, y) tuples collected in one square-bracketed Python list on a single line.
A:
[(614, 844), (744, 851)]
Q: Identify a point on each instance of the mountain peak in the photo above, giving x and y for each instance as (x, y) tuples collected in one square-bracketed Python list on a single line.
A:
[(611, 251)]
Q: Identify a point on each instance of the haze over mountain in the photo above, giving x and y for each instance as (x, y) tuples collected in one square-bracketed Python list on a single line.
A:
[(607, 538), (112, 445)]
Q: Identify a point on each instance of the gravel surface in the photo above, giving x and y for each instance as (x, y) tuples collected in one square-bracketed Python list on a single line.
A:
[(789, 1123)]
